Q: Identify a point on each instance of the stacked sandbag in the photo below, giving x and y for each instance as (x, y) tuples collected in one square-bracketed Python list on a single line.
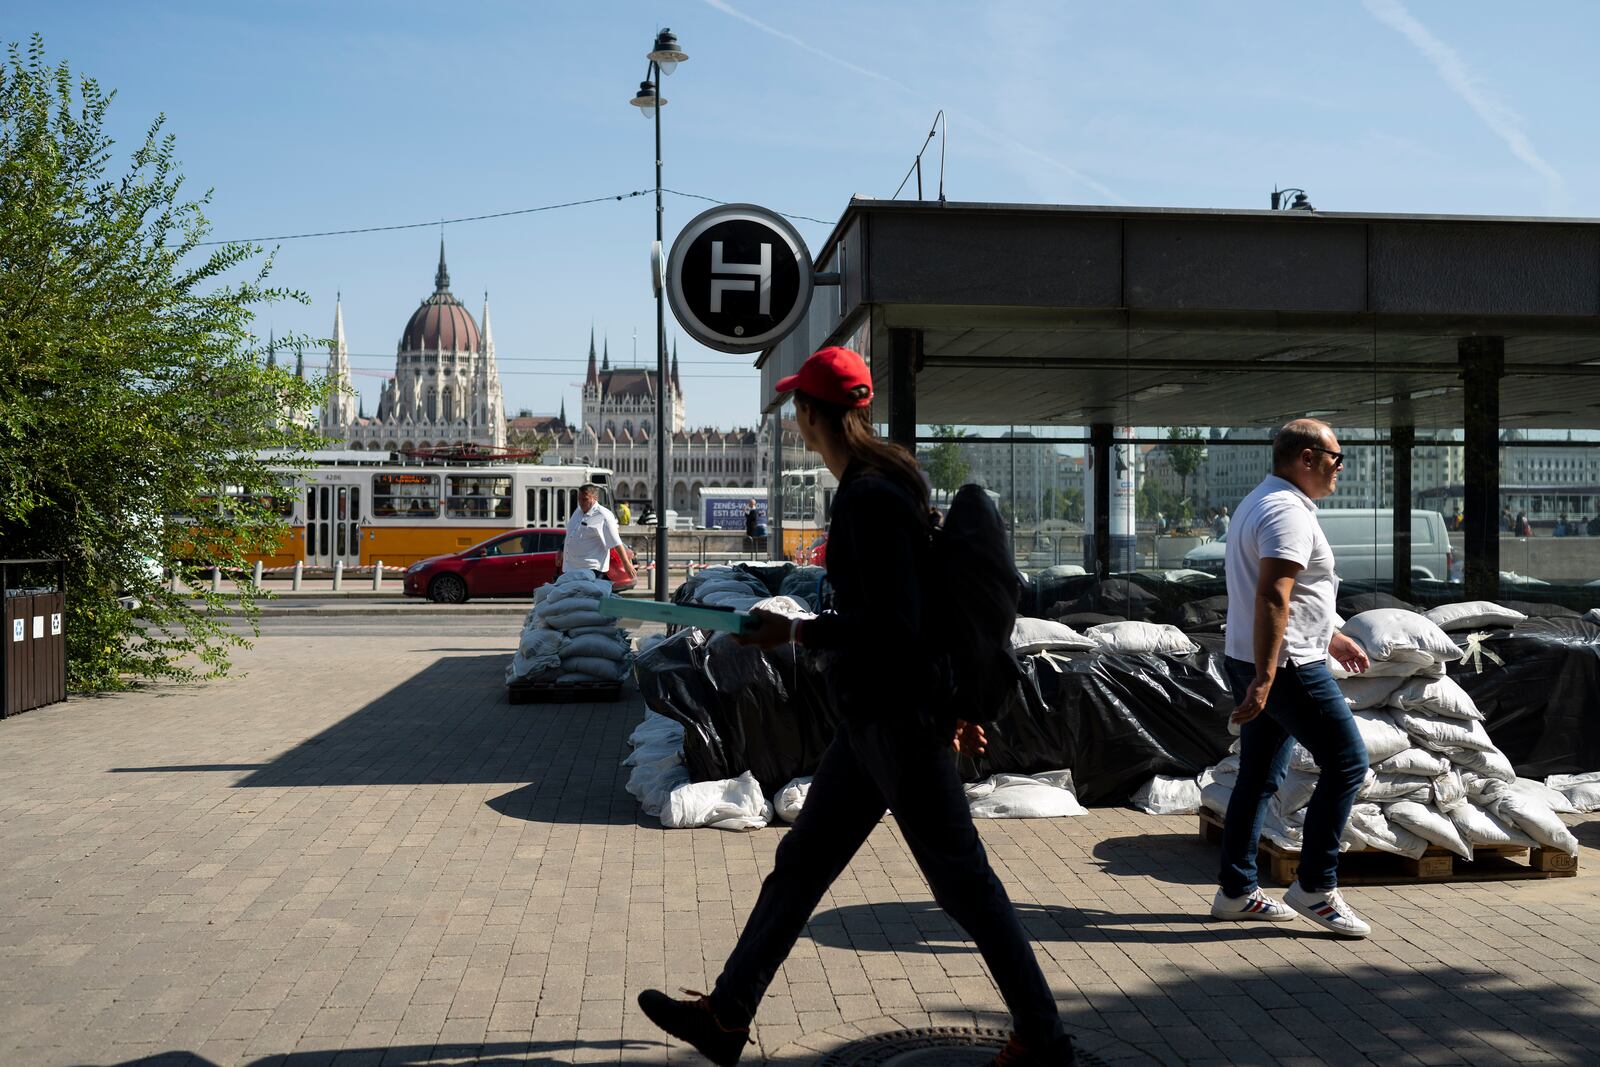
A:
[(565, 639), (723, 587), (656, 762), (1434, 777)]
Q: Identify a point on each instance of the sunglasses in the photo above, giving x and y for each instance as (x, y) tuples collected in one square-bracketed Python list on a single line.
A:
[(1338, 457)]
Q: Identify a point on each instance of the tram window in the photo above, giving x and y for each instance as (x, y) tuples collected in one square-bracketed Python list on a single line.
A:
[(405, 496), (474, 496), (538, 506)]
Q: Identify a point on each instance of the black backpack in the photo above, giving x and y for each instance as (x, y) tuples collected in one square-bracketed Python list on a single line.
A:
[(970, 606)]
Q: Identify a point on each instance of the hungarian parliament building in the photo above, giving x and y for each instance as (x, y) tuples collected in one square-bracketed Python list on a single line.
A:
[(446, 394)]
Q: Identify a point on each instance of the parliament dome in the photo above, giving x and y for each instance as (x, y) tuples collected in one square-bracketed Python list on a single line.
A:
[(442, 322)]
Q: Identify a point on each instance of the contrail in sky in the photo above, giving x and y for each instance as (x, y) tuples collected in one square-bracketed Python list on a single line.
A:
[(974, 124), (1452, 70)]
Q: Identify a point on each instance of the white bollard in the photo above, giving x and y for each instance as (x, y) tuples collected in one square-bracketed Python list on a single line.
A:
[(338, 574), (299, 572), (377, 577), (255, 574), (216, 579)]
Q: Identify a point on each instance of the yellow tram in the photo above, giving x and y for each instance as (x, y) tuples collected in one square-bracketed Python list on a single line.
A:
[(357, 508)]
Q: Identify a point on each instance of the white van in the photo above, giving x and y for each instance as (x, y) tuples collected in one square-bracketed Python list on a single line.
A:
[(1363, 545)]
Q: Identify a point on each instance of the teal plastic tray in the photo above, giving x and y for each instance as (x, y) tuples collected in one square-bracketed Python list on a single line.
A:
[(724, 619)]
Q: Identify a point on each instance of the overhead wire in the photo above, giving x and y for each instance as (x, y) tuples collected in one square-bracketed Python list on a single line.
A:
[(482, 218)]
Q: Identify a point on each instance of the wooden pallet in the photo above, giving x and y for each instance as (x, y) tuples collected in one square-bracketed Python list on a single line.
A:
[(563, 693), (1372, 867)]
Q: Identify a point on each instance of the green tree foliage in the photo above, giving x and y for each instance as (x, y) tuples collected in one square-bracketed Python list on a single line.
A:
[(132, 396), (1063, 504), (945, 463), (1185, 453)]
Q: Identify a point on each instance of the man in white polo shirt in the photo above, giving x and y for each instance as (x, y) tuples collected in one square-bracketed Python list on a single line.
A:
[(591, 535), (1281, 631)]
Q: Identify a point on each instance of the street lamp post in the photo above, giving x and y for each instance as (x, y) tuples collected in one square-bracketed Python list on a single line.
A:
[(664, 58), (1281, 201)]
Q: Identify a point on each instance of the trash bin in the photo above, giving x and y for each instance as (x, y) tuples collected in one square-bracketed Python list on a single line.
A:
[(33, 670)]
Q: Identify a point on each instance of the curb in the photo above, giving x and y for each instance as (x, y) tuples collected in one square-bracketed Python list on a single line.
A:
[(428, 610)]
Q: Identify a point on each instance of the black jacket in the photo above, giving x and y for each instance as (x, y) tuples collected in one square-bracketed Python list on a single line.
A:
[(877, 560)]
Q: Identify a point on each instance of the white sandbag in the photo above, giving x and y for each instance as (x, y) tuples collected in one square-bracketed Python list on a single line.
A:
[(1283, 832), (611, 630), (1581, 790), (527, 669), (1367, 828), (577, 619), (1387, 788), (597, 645), (1481, 826), (1424, 821), (594, 668), (1038, 635), (1534, 817), (1215, 794), (539, 643), (1552, 798), (1294, 792), (1448, 791), (1389, 634), (1435, 696), (652, 783), (1396, 668), (1020, 796), (1472, 615), (1436, 732), (582, 580), (1417, 761), (732, 601), (730, 804), (1489, 763), (1142, 637), (655, 731), (1362, 692), (787, 606), (791, 798), (1225, 771), (1381, 733), (570, 594), (1167, 796)]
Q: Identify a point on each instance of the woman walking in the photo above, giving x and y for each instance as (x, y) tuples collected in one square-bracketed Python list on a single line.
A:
[(888, 753)]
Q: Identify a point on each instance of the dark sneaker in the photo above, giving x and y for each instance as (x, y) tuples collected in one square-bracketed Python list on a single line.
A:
[(1058, 1053), (693, 1022)]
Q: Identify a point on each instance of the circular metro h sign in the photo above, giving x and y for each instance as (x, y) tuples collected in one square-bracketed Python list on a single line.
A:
[(739, 278)]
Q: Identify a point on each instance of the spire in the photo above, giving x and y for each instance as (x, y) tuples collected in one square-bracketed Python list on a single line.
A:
[(605, 360), (299, 363), (272, 350), (339, 409), (441, 278), (677, 387), (593, 377), (563, 411), (488, 331)]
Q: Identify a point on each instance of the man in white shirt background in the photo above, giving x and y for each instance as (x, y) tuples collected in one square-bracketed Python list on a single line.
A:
[(591, 535), (1280, 633)]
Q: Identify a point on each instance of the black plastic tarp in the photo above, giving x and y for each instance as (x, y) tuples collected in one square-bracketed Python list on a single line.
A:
[(1114, 720), (1538, 687)]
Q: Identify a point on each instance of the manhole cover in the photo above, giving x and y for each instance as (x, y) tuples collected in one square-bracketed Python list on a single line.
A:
[(937, 1046)]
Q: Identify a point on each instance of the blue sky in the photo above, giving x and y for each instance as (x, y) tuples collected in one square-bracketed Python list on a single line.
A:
[(314, 116)]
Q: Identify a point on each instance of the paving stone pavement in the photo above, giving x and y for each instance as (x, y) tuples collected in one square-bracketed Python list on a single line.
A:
[(357, 853)]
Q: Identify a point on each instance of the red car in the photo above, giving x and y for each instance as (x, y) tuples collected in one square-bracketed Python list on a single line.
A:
[(509, 565)]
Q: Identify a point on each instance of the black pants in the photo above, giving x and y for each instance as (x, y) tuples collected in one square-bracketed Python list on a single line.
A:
[(869, 767)]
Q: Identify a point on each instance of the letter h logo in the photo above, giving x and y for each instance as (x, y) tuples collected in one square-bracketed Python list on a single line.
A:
[(761, 271)]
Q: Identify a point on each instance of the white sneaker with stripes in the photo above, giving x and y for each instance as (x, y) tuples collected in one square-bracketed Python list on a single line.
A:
[(1254, 906), (1328, 910)]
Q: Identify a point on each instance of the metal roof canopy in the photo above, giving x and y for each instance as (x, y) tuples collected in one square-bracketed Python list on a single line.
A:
[(1075, 315)]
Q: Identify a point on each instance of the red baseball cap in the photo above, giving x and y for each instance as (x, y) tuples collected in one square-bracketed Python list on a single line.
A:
[(833, 375)]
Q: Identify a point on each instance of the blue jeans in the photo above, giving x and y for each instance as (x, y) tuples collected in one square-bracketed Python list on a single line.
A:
[(1304, 705)]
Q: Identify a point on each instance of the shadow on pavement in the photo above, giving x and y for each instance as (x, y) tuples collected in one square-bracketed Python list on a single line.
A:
[(489, 1054), (1182, 859), (450, 723)]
